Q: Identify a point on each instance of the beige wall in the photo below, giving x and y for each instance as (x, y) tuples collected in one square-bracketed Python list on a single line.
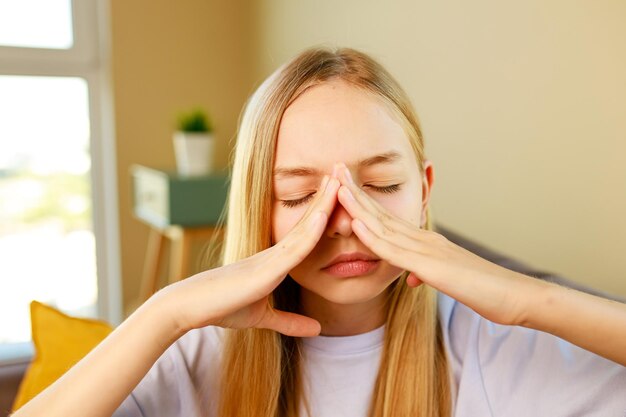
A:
[(523, 107), (166, 57)]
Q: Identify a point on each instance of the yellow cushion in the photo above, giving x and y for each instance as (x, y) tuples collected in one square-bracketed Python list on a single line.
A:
[(60, 341)]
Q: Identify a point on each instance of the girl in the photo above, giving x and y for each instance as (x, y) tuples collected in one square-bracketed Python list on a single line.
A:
[(336, 297)]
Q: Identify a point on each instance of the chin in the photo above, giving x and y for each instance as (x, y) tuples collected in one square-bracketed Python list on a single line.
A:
[(348, 295)]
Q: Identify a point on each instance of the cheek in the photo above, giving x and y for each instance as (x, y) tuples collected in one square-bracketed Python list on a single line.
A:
[(404, 204), (283, 220)]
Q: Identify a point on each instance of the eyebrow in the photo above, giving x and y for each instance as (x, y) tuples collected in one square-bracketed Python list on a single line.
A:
[(304, 171)]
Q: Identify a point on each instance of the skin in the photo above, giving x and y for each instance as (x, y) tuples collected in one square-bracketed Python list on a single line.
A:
[(342, 215), (328, 123), (234, 296), (390, 232), (496, 293)]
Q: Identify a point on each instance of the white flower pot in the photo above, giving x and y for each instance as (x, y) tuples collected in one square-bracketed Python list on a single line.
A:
[(194, 153)]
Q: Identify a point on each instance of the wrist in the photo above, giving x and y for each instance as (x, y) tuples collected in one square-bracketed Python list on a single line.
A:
[(540, 296), (160, 311)]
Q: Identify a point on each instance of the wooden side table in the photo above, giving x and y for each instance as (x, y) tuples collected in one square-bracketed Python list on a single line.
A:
[(177, 208), (181, 240)]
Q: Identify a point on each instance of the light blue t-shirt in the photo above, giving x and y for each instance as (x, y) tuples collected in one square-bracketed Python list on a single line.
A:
[(498, 371)]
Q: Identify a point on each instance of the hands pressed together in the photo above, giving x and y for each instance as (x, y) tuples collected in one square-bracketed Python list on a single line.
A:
[(236, 295)]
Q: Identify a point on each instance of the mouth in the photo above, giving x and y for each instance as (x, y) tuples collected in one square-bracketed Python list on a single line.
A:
[(352, 264)]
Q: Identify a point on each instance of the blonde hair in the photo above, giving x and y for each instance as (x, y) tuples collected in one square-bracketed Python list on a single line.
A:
[(261, 368)]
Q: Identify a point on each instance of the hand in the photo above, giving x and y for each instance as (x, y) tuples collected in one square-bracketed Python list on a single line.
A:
[(236, 295), (494, 292)]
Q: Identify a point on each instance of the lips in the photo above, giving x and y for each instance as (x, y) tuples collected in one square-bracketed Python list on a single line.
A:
[(349, 257)]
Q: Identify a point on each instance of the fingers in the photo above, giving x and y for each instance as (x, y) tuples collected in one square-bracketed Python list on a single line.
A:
[(413, 281), (290, 324), (349, 188), (386, 249), (376, 218), (394, 239), (301, 240)]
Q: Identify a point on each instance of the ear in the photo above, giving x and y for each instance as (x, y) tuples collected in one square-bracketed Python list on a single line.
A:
[(427, 185)]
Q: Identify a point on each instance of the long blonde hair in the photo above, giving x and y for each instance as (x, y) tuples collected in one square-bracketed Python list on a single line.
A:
[(261, 368)]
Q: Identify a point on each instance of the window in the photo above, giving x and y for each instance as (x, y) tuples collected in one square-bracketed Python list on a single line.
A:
[(49, 27), (58, 206)]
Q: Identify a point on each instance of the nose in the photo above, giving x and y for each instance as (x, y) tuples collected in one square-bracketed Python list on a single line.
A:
[(339, 222)]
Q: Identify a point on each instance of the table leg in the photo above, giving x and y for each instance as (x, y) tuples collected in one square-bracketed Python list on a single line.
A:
[(150, 277), (180, 253)]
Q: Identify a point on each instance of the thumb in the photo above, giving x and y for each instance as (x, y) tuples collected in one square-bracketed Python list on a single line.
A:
[(290, 324), (413, 281)]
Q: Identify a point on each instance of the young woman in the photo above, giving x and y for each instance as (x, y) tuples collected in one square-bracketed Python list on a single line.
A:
[(336, 297)]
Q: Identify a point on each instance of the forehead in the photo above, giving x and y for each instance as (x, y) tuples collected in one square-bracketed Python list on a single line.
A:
[(334, 121)]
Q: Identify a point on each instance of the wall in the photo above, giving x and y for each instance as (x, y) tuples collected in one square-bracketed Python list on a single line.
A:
[(166, 57), (522, 106)]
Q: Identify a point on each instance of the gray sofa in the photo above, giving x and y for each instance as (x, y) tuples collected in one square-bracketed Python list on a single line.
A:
[(516, 265), (11, 374)]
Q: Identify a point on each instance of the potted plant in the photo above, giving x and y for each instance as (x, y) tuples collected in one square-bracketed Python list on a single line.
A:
[(194, 143)]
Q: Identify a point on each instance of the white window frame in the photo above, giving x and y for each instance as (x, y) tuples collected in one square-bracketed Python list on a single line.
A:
[(88, 58)]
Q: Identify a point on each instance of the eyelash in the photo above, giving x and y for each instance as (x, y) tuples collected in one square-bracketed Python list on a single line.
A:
[(294, 203)]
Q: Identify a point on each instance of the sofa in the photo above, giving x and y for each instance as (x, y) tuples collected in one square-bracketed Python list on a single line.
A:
[(11, 373)]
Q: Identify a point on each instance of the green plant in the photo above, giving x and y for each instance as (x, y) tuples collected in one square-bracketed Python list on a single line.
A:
[(194, 121)]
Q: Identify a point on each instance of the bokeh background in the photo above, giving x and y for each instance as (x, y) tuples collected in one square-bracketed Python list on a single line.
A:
[(523, 106)]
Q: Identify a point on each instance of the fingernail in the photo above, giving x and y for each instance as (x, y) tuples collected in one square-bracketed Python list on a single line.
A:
[(329, 187), (347, 193), (334, 171), (324, 182), (348, 175), (359, 225)]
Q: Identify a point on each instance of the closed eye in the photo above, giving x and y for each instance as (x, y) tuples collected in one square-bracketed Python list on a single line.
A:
[(388, 189)]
